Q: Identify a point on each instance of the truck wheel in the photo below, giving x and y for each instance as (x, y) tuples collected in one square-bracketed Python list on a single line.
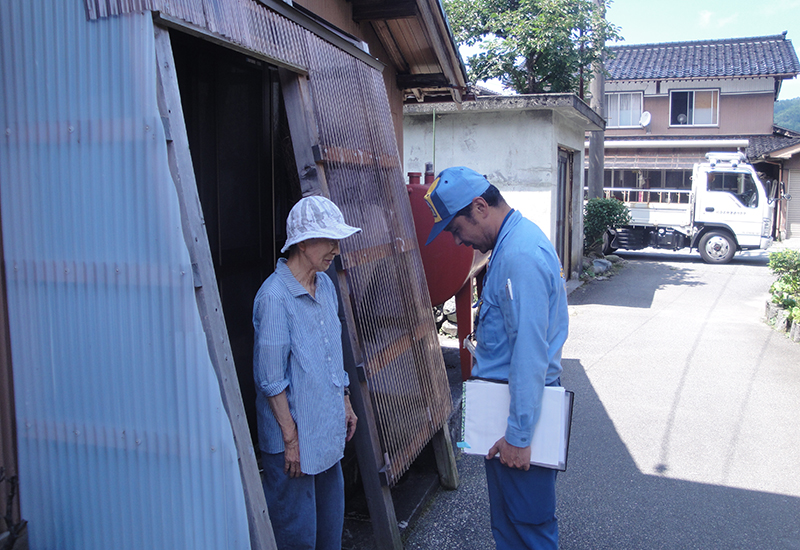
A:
[(717, 247), (608, 237)]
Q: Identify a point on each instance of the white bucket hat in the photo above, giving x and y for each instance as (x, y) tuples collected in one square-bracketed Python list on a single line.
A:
[(315, 217)]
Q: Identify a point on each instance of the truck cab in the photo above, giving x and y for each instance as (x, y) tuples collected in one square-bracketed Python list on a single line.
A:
[(731, 207), (727, 209)]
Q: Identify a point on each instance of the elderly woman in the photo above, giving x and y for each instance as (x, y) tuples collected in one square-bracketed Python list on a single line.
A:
[(303, 403)]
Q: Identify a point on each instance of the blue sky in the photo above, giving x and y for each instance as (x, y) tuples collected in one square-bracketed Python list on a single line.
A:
[(648, 21)]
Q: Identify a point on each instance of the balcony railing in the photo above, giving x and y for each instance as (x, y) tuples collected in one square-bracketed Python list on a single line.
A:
[(658, 196)]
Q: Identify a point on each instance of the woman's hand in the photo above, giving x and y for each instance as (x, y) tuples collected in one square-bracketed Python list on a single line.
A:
[(350, 418), (291, 442), (291, 455)]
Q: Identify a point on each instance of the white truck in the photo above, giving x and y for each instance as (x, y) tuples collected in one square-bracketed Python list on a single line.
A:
[(727, 209)]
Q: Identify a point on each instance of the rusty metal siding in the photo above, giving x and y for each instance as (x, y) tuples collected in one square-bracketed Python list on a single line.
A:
[(243, 22), (389, 296), (123, 439)]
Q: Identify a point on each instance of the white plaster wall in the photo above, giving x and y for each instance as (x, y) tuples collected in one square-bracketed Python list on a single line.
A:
[(516, 150)]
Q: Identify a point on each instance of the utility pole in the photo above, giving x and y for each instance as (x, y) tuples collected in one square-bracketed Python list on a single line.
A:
[(597, 138)]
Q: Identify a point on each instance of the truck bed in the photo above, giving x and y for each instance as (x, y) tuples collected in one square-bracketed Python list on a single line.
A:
[(662, 214), (662, 207)]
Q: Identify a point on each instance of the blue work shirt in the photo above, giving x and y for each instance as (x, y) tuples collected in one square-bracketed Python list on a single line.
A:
[(298, 348), (523, 321)]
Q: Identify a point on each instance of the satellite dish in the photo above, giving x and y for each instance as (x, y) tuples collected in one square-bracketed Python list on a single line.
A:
[(644, 120)]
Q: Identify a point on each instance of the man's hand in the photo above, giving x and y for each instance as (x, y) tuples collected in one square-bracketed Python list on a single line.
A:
[(511, 456), (350, 418)]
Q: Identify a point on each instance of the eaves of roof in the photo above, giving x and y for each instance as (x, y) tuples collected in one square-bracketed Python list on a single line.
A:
[(570, 105)]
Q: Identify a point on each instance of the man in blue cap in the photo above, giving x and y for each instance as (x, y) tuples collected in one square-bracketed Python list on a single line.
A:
[(521, 325)]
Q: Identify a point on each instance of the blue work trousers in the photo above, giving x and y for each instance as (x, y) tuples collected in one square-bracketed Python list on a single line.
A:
[(307, 513), (523, 507)]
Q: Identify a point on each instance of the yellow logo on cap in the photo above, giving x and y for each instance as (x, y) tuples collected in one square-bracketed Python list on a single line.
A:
[(436, 217)]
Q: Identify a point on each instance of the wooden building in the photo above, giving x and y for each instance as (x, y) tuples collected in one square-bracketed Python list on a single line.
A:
[(151, 152)]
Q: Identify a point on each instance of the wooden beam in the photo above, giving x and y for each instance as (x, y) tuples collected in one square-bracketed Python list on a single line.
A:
[(439, 36), (207, 292), (427, 80), (389, 43), (445, 458), (342, 155), (8, 414), (382, 10), (304, 134)]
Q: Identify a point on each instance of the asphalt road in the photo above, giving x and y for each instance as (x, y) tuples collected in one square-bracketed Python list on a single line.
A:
[(686, 430)]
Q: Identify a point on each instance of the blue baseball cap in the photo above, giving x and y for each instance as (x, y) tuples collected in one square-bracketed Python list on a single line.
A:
[(450, 192)]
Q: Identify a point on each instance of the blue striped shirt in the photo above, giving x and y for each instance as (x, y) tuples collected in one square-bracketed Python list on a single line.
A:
[(298, 348)]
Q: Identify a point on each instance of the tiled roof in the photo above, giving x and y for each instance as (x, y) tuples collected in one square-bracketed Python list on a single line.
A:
[(762, 145), (758, 56)]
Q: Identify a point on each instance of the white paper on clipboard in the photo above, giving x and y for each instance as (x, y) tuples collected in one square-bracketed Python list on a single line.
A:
[(485, 418)]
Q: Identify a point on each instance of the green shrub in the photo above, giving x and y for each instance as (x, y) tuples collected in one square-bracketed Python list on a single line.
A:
[(600, 215), (786, 290)]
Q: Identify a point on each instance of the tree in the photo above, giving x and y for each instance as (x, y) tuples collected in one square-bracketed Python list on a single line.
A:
[(787, 114), (532, 46)]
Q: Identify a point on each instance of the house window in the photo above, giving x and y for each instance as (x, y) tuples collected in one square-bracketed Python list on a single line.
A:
[(623, 109), (694, 108)]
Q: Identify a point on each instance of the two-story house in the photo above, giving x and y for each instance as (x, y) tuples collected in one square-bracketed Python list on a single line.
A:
[(668, 104)]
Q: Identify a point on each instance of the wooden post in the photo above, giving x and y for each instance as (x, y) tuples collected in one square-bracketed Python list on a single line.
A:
[(597, 137), (445, 458), (8, 414), (209, 303), (304, 134)]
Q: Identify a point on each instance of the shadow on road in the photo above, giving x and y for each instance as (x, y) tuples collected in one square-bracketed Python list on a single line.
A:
[(747, 257), (605, 501), (651, 276)]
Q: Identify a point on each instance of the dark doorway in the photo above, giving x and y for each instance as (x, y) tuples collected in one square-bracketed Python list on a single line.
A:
[(239, 140), (564, 210)]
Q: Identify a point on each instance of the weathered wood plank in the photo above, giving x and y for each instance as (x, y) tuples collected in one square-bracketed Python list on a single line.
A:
[(445, 458), (304, 134)]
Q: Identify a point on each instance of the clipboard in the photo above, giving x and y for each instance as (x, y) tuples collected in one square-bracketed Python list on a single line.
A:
[(485, 418)]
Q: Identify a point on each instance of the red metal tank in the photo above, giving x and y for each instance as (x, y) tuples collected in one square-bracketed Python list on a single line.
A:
[(448, 266)]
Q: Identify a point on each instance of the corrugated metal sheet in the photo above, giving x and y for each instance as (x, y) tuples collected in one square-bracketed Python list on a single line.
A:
[(405, 368), (243, 22), (123, 438)]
